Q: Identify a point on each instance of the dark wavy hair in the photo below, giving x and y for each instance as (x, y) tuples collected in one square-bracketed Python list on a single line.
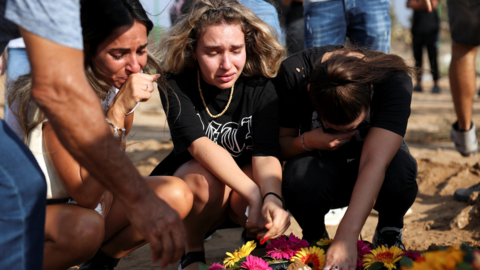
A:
[(99, 19), (340, 87)]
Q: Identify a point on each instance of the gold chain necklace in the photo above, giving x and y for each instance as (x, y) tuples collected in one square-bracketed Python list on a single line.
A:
[(205, 104)]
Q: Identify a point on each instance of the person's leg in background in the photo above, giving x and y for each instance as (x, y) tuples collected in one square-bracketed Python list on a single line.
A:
[(369, 23), (464, 18), (431, 44), (22, 211), (295, 37), (325, 23), (462, 81), (268, 13), (417, 44), (18, 65)]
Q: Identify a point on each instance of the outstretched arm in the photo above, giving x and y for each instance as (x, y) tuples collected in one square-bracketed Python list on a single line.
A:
[(61, 90), (378, 151)]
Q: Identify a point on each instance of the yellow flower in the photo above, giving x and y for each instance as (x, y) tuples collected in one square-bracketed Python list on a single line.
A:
[(313, 257), (440, 259), (387, 256), (324, 242), (243, 252)]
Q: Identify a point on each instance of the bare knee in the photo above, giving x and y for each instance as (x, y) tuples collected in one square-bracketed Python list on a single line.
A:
[(83, 235), (205, 187), (175, 192)]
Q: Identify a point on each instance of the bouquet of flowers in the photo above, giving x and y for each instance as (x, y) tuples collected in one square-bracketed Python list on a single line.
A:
[(292, 253)]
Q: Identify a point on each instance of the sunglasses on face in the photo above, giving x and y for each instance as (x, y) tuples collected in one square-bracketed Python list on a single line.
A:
[(327, 129)]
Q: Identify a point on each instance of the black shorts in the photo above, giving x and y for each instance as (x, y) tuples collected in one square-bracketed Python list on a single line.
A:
[(464, 17)]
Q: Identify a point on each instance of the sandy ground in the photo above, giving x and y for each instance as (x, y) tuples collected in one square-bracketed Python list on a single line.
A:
[(441, 170)]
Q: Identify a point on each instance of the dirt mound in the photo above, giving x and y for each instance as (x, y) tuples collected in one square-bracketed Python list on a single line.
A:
[(435, 209)]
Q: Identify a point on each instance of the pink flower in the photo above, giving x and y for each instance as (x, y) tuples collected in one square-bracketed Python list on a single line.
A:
[(216, 266), (412, 255), (362, 250), (283, 248), (476, 260), (255, 263), (281, 253)]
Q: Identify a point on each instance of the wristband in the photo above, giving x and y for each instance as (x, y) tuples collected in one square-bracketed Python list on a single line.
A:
[(276, 195), (303, 143)]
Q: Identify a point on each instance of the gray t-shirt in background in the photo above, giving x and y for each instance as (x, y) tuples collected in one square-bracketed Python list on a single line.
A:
[(55, 20)]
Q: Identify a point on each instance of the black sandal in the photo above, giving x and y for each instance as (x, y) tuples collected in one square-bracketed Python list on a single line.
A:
[(100, 261), (191, 257)]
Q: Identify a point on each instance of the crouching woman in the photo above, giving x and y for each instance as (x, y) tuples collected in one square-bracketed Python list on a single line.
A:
[(344, 114)]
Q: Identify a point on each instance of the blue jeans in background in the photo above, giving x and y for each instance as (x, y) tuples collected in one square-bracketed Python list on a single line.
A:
[(23, 195), (365, 22), (18, 65), (267, 13)]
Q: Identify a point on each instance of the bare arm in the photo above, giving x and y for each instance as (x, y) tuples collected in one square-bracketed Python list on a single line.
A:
[(291, 142), (61, 90), (420, 5), (221, 164), (267, 173), (378, 151)]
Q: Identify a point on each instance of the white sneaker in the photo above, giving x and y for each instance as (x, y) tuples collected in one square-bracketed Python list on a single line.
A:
[(465, 141), (334, 216)]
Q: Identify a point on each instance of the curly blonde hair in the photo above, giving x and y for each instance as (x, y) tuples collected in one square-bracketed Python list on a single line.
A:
[(264, 52)]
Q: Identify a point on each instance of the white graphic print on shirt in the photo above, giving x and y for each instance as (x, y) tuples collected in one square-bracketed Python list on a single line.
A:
[(226, 135)]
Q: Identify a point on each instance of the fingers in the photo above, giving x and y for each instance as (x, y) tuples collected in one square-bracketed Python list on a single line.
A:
[(168, 249), (178, 236), (156, 247), (278, 222)]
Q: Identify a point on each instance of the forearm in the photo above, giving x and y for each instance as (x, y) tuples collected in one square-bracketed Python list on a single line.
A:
[(267, 173), (118, 118), (221, 164), (378, 150), (369, 181), (291, 146), (61, 90)]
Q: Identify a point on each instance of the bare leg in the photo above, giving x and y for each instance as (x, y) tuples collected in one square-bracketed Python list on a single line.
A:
[(462, 82), (209, 204), (120, 237), (72, 235)]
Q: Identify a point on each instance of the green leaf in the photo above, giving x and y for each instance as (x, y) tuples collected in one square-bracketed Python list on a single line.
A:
[(376, 266), (239, 262), (405, 261), (464, 266), (468, 257), (203, 267)]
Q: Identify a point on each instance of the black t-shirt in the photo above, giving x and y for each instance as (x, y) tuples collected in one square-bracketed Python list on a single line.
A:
[(248, 128), (389, 108)]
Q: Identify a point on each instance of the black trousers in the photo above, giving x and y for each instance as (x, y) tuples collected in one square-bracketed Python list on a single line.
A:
[(315, 182), (428, 40)]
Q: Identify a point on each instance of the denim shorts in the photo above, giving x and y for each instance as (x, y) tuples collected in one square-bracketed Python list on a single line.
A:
[(464, 17), (366, 23)]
